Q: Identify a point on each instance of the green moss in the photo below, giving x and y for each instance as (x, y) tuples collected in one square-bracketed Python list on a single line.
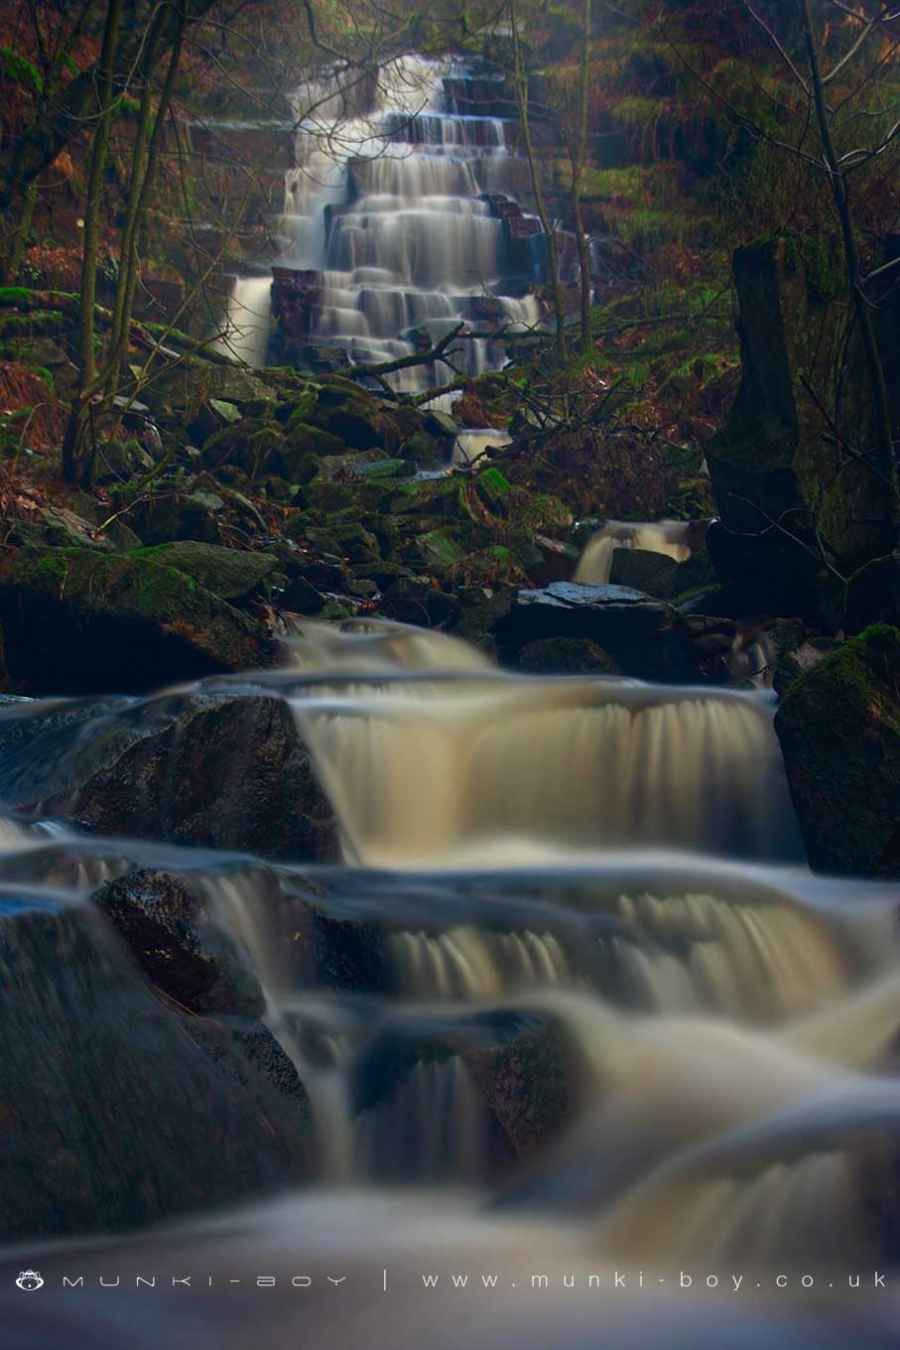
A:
[(839, 726)]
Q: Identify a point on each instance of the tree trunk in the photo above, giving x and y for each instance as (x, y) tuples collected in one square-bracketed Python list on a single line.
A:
[(91, 250), (578, 162), (887, 466), (520, 79)]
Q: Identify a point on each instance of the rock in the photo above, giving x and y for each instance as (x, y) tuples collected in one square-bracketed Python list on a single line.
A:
[(441, 424), (169, 516), (414, 600), (800, 659), (637, 631), (655, 574), (517, 1062), (777, 461), (120, 461), (216, 770), (439, 550), (55, 527), (490, 567), (78, 621), (191, 384), (117, 1109), (425, 451), (873, 595), (566, 656), (301, 597), (167, 928), (229, 573), (345, 539), (839, 727)]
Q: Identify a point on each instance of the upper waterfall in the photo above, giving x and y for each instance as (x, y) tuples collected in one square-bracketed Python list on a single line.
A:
[(392, 227)]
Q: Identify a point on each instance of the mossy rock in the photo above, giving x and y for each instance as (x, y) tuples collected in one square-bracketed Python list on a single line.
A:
[(191, 384), (346, 539), (492, 566), (360, 497), (229, 573), (301, 439), (427, 452), (77, 621), (439, 549), (173, 516), (839, 727)]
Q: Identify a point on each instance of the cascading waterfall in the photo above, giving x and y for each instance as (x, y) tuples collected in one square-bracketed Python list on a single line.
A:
[(386, 205), (572, 960), (671, 537)]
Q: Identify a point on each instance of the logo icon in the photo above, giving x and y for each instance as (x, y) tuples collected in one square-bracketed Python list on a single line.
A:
[(29, 1280)]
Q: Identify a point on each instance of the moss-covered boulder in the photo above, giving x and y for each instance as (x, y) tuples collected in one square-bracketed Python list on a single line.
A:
[(839, 727), (229, 573), (169, 516), (191, 384), (77, 621)]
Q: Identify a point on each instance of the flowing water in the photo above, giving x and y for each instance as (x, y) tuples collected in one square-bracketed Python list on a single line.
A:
[(387, 206), (568, 1005), (671, 537)]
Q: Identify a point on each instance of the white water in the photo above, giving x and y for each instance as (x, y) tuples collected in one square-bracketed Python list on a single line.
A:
[(665, 536), (384, 204), (719, 1029)]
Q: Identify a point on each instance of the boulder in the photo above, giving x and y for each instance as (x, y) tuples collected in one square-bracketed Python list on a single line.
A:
[(169, 516), (167, 928), (217, 770), (655, 574), (784, 486), (566, 656), (229, 573), (78, 621), (516, 1061), (189, 385), (118, 1109), (839, 727), (119, 461), (636, 631)]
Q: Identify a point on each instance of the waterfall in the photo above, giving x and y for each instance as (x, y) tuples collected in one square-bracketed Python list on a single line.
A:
[(572, 1002), (671, 537), (249, 320), (389, 206), (463, 765)]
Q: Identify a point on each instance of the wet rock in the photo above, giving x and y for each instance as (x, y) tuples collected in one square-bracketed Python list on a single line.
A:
[(516, 1060), (217, 770), (636, 631), (77, 621), (416, 600), (169, 516), (301, 597), (229, 573), (183, 1113), (839, 727), (655, 574), (566, 656), (167, 928)]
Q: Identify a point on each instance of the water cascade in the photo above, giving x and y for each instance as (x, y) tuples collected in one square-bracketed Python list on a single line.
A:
[(392, 233), (671, 537), (570, 958)]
